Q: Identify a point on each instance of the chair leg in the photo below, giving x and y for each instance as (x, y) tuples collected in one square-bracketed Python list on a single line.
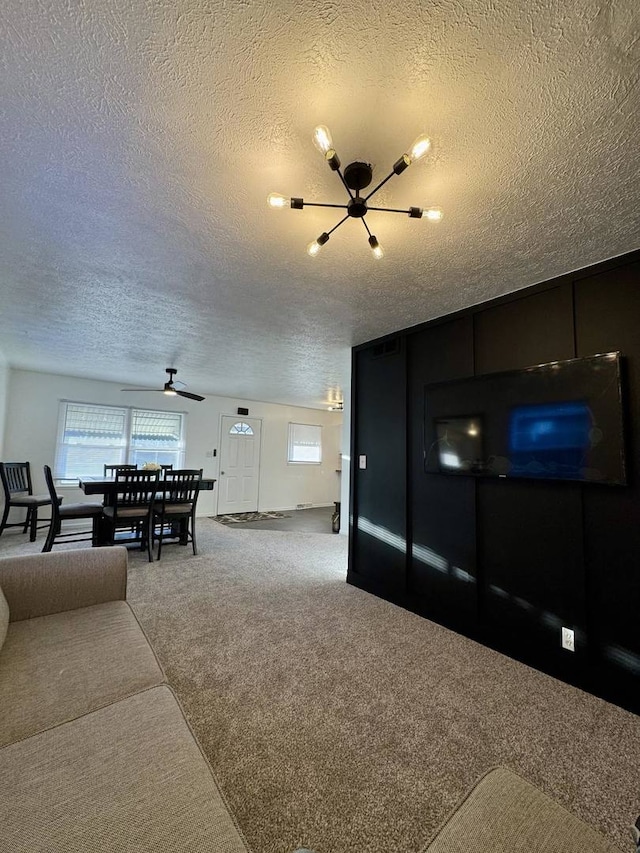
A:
[(51, 534), (193, 532), (5, 516), (150, 537), (27, 520), (34, 524)]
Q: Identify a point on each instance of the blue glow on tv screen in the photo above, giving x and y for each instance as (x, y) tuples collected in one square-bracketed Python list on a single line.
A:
[(557, 421), (550, 439)]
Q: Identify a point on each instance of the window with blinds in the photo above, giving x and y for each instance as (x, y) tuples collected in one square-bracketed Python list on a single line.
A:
[(156, 437), (91, 436), (305, 443)]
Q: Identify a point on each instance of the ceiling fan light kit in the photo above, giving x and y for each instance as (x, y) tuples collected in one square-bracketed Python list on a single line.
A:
[(169, 388), (356, 177)]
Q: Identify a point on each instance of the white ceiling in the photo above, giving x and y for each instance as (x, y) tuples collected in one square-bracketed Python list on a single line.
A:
[(140, 139)]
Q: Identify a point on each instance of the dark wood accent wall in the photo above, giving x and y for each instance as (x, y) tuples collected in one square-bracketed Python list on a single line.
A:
[(379, 490), (506, 562)]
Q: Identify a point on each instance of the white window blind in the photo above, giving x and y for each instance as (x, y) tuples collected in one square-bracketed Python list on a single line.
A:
[(305, 443), (88, 437), (91, 436), (155, 437)]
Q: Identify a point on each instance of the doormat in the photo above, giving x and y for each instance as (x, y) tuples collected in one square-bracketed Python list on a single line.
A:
[(238, 517)]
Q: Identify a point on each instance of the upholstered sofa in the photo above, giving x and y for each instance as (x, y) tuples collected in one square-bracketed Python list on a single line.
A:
[(95, 752), (504, 813)]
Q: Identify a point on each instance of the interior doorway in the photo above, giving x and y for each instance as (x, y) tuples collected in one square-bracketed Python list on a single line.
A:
[(239, 464)]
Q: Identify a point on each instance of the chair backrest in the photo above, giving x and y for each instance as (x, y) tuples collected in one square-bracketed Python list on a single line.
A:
[(16, 478), (139, 488), (113, 469), (185, 485), (51, 486), (168, 467)]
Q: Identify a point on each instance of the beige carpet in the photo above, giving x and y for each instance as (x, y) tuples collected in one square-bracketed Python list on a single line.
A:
[(339, 722)]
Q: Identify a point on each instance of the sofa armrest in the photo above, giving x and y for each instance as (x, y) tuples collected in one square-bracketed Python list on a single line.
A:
[(41, 584)]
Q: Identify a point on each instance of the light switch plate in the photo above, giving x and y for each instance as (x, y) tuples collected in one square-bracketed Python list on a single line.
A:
[(362, 461)]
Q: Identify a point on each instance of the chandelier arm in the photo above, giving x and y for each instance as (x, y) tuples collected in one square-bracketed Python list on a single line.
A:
[(389, 209), (338, 225), (345, 184), (382, 183), (321, 204)]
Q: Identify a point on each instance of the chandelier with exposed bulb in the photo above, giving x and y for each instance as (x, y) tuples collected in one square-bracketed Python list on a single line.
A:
[(357, 176)]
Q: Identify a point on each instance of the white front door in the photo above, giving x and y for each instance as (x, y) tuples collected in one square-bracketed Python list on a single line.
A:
[(239, 464)]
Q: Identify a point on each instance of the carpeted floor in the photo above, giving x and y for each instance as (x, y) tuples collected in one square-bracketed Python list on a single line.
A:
[(336, 721)]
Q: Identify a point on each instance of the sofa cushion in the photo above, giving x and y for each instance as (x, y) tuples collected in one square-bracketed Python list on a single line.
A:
[(54, 668), (127, 777), (4, 618), (41, 584), (506, 814)]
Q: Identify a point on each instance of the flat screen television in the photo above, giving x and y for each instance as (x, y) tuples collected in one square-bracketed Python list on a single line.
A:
[(556, 421)]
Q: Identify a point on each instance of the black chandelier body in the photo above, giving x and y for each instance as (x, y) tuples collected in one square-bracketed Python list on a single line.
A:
[(356, 177)]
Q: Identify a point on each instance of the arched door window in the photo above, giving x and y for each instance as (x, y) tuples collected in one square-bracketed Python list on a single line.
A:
[(241, 429)]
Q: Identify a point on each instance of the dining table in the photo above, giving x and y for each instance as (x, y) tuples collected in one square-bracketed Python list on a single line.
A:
[(109, 488)]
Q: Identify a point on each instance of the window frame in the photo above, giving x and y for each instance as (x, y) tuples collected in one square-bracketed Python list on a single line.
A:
[(291, 444), (128, 450)]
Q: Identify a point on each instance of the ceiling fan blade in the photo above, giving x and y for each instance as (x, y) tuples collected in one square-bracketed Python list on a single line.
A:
[(189, 395)]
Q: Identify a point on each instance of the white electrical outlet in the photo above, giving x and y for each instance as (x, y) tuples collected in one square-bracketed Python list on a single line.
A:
[(362, 461), (568, 639)]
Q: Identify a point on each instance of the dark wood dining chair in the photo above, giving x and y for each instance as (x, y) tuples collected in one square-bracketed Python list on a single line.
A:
[(112, 470), (69, 512), (132, 507), (18, 492), (174, 518)]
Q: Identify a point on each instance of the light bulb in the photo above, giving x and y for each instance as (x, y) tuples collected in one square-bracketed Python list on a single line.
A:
[(376, 248), (322, 139), (433, 214), (170, 393), (277, 200), (314, 247), (419, 148)]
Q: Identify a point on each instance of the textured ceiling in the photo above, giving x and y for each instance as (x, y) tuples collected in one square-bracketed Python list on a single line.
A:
[(140, 139)]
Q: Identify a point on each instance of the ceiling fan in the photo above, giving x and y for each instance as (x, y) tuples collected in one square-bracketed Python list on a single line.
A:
[(170, 388)]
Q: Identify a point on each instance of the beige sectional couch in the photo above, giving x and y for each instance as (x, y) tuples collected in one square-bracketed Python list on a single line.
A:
[(95, 752), (504, 813)]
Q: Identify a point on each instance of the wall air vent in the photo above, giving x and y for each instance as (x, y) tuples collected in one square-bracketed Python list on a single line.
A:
[(390, 347)]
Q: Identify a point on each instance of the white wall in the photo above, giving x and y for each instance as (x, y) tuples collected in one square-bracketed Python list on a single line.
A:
[(32, 421), (346, 462), (4, 393)]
